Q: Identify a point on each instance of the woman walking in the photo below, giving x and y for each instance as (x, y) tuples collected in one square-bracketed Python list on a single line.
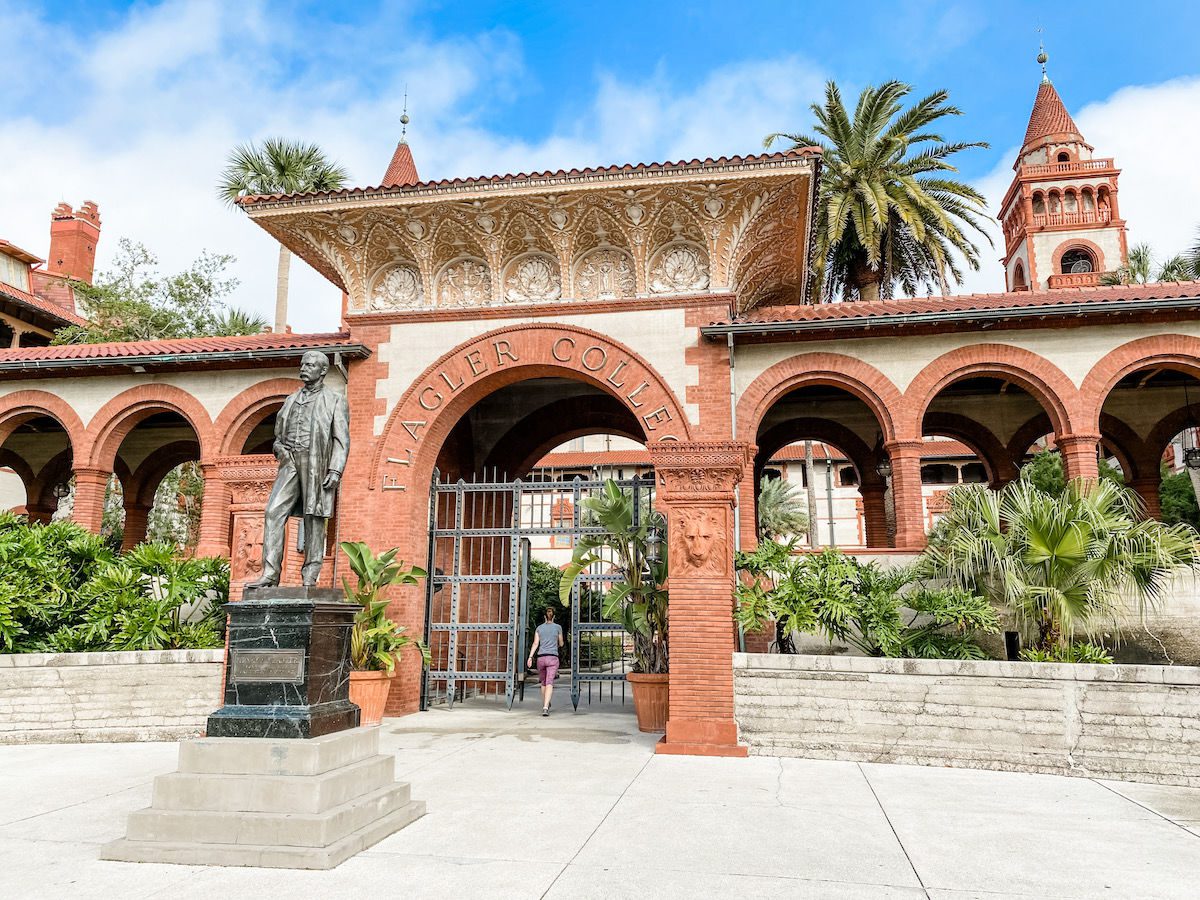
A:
[(546, 641)]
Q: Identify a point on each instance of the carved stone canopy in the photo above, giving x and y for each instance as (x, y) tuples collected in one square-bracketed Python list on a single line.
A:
[(730, 226), (698, 470)]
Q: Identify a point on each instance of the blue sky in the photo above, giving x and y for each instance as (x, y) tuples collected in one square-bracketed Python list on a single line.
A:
[(135, 105)]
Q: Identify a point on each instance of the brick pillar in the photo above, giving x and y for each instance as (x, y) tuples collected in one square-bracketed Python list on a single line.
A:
[(91, 485), (214, 513), (1079, 454), (39, 513), (905, 458), (248, 480), (696, 484), (137, 517), (1147, 489), (874, 506)]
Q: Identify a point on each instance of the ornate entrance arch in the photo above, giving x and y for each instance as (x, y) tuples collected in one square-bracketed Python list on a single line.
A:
[(407, 450)]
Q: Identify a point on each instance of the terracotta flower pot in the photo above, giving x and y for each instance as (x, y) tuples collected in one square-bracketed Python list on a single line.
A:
[(370, 691), (650, 695)]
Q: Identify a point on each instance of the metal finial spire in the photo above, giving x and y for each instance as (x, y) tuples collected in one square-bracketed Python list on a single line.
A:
[(404, 116), (1042, 57)]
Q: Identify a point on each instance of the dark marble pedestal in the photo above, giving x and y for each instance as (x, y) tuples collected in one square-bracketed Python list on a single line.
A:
[(288, 669)]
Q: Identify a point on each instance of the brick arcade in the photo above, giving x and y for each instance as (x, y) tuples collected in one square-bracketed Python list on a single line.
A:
[(487, 321)]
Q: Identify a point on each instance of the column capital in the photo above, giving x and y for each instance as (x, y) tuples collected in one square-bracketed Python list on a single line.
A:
[(698, 469), (899, 447), (249, 478), (1077, 439)]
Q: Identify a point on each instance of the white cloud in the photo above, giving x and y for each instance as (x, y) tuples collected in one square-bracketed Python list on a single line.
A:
[(144, 115), (1150, 130)]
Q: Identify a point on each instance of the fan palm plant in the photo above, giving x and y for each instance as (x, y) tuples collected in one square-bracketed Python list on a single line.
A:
[(279, 166), (886, 213), (1061, 563), (1142, 268), (780, 512)]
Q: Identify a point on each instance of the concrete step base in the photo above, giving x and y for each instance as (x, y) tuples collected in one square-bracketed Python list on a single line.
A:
[(266, 856), (283, 803)]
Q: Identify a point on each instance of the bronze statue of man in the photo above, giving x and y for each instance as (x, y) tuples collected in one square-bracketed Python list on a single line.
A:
[(312, 441)]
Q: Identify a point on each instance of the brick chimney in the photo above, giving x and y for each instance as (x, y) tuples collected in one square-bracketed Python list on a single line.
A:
[(73, 238)]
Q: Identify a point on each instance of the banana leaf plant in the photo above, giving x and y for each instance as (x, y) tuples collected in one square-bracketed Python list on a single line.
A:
[(376, 642), (639, 601)]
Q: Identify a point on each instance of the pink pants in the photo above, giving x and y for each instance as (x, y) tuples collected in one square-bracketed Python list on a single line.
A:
[(547, 667)]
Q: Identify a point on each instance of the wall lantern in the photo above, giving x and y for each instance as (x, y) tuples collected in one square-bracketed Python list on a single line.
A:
[(1191, 457)]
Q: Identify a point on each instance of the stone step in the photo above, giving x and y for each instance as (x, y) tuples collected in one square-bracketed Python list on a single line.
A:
[(273, 793), (271, 756), (267, 829), (200, 854)]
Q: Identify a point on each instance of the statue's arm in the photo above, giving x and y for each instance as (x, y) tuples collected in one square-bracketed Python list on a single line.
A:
[(340, 436)]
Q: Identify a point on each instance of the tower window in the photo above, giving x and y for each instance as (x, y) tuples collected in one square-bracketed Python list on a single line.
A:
[(1064, 157), (1077, 261)]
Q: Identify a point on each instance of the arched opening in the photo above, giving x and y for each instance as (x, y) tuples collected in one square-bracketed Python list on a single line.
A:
[(982, 428), (1064, 156), (161, 485), (36, 475), (829, 443), (1039, 203), (1019, 282), (1077, 260)]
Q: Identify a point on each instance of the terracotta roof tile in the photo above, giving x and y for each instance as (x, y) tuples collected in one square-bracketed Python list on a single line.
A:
[(43, 307), (178, 346), (882, 310), (402, 172), (627, 168), (1049, 116)]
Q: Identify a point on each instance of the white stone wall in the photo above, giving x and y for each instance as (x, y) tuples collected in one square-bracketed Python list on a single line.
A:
[(1136, 723), (659, 336), (73, 698)]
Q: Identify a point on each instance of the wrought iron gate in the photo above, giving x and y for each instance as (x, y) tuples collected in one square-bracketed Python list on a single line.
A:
[(482, 538)]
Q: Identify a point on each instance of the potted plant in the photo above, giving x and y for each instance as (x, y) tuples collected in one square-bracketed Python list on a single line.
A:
[(639, 601), (376, 642)]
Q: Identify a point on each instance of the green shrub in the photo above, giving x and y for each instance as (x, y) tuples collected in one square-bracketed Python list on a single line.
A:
[(1071, 653), (63, 589), (880, 612)]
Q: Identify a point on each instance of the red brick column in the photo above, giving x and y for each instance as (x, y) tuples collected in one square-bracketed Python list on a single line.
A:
[(137, 517), (905, 458), (1079, 454), (214, 512), (1147, 489), (248, 480), (91, 486), (696, 484), (874, 504)]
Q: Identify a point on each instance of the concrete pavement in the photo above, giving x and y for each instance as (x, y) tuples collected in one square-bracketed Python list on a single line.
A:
[(577, 805)]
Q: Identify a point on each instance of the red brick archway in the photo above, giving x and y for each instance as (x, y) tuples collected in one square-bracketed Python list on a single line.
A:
[(120, 415), (245, 412), (1175, 351), (20, 406)]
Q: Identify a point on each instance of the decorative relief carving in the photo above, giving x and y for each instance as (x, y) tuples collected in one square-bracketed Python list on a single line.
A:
[(699, 542), (398, 287), (679, 268), (465, 282), (532, 278), (690, 468), (246, 564), (605, 273)]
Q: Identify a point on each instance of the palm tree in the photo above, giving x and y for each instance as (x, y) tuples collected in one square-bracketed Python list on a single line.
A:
[(780, 513), (279, 167), (238, 321), (1192, 258), (1142, 268), (886, 213), (1059, 562)]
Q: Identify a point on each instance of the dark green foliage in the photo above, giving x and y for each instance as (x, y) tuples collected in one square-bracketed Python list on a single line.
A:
[(543, 592), (1071, 653), (63, 589), (880, 612), (1045, 472), (1178, 500)]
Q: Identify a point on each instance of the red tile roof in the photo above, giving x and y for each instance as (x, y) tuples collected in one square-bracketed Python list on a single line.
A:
[(249, 343), (1130, 297), (628, 168), (40, 306), (1049, 117), (402, 172)]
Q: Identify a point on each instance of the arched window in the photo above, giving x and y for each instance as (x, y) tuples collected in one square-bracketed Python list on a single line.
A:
[(1076, 261), (1018, 281), (1064, 156), (1069, 202), (1039, 204), (1089, 201), (1055, 203)]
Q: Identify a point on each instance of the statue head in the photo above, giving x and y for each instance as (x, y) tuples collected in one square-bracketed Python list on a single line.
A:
[(699, 537), (313, 366)]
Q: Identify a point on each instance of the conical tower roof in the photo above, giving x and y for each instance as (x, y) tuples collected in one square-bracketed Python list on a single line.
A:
[(402, 172), (1049, 120)]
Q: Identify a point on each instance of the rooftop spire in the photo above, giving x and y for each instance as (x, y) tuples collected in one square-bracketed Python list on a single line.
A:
[(402, 171), (1049, 120)]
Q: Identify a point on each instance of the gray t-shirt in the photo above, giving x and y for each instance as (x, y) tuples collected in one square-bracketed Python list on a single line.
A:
[(549, 633)]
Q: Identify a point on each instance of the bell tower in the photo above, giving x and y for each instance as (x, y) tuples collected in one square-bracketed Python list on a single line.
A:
[(1062, 226)]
